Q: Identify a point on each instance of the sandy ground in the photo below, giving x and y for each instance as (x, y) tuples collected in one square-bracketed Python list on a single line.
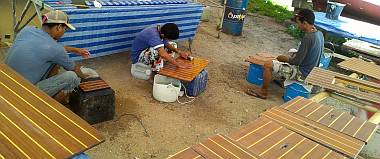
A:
[(222, 107)]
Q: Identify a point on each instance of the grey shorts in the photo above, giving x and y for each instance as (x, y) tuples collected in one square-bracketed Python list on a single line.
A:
[(285, 71)]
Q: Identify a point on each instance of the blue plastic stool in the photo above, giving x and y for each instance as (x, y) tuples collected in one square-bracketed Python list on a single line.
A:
[(255, 74), (293, 90), (325, 60)]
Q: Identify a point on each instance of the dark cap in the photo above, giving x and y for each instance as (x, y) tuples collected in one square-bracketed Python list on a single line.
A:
[(305, 15)]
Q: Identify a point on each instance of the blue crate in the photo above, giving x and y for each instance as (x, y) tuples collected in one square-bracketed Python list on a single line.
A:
[(198, 85), (293, 90), (255, 74)]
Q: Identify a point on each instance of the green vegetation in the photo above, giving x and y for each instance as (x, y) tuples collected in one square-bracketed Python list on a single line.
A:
[(294, 31), (267, 8)]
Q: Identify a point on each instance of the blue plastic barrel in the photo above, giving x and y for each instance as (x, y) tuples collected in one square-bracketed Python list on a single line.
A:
[(234, 16), (333, 10), (255, 74), (294, 90)]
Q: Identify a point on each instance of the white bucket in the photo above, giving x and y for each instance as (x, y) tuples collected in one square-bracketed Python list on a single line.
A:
[(166, 89)]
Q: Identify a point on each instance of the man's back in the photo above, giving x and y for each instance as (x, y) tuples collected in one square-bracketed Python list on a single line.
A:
[(309, 53), (34, 52)]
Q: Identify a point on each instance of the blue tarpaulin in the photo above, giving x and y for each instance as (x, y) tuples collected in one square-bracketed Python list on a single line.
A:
[(112, 29), (349, 28)]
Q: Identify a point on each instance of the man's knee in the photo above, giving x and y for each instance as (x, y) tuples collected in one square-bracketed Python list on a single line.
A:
[(72, 77), (268, 65)]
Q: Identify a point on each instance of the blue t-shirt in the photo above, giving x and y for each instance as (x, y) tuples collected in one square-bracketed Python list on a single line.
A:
[(34, 52), (309, 52), (147, 38)]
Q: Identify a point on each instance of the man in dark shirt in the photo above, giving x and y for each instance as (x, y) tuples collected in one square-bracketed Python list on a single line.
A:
[(299, 66)]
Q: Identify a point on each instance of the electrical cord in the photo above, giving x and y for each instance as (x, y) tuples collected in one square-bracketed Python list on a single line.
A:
[(192, 99)]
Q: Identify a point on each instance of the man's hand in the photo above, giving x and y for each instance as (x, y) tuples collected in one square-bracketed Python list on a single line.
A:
[(183, 65), (83, 52), (283, 58), (184, 54)]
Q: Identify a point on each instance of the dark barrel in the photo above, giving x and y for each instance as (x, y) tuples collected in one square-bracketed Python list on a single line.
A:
[(234, 16)]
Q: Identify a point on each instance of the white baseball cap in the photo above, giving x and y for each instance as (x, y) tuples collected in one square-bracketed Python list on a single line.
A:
[(58, 17)]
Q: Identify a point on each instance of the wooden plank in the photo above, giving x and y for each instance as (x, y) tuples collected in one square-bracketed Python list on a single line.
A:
[(187, 153), (335, 119), (363, 47), (260, 58), (93, 85), (317, 132), (269, 139), (362, 67), (187, 75), (35, 125), (223, 147), (325, 79)]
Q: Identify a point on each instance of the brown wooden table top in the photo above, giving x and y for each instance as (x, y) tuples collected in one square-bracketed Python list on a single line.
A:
[(93, 85), (335, 119), (260, 58), (34, 125), (322, 134), (328, 80), (170, 70), (362, 67)]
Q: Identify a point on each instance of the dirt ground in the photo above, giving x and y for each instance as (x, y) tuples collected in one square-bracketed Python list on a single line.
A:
[(171, 127)]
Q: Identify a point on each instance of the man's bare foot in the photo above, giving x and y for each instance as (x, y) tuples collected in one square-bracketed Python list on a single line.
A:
[(256, 94)]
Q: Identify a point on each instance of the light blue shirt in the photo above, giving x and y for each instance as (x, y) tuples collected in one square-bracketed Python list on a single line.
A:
[(34, 52)]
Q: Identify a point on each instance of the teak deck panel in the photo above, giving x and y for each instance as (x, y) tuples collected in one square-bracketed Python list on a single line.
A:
[(187, 75), (362, 67), (332, 118), (325, 79), (269, 139), (260, 59), (317, 132), (220, 146), (93, 85), (34, 125), (186, 153)]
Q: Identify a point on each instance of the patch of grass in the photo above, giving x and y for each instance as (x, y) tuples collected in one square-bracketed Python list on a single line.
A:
[(268, 8), (294, 31)]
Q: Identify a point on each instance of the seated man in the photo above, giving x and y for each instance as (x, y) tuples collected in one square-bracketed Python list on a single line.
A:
[(36, 55), (149, 47), (297, 67)]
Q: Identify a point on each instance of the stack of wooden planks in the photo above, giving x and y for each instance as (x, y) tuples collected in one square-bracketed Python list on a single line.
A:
[(300, 128), (331, 81), (170, 70), (362, 67), (33, 125)]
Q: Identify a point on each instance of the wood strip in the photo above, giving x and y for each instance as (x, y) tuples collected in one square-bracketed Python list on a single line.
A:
[(337, 120), (187, 153), (324, 79), (233, 147), (37, 126), (315, 131), (362, 67), (292, 103), (187, 75), (250, 128)]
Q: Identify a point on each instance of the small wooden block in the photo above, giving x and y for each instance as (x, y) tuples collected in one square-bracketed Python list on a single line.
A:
[(93, 85), (260, 58)]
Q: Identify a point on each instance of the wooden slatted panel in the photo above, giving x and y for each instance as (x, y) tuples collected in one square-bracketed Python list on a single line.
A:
[(188, 75), (93, 85), (268, 139), (220, 146), (187, 153), (317, 132), (35, 125), (325, 79), (332, 118), (363, 47), (260, 59), (362, 67)]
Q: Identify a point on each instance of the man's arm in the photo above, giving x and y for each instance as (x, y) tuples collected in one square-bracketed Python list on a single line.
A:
[(167, 57), (79, 51), (301, 53), (183, 54)]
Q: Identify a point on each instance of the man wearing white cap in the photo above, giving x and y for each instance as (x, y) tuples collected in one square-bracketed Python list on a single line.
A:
[(37, 56)]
